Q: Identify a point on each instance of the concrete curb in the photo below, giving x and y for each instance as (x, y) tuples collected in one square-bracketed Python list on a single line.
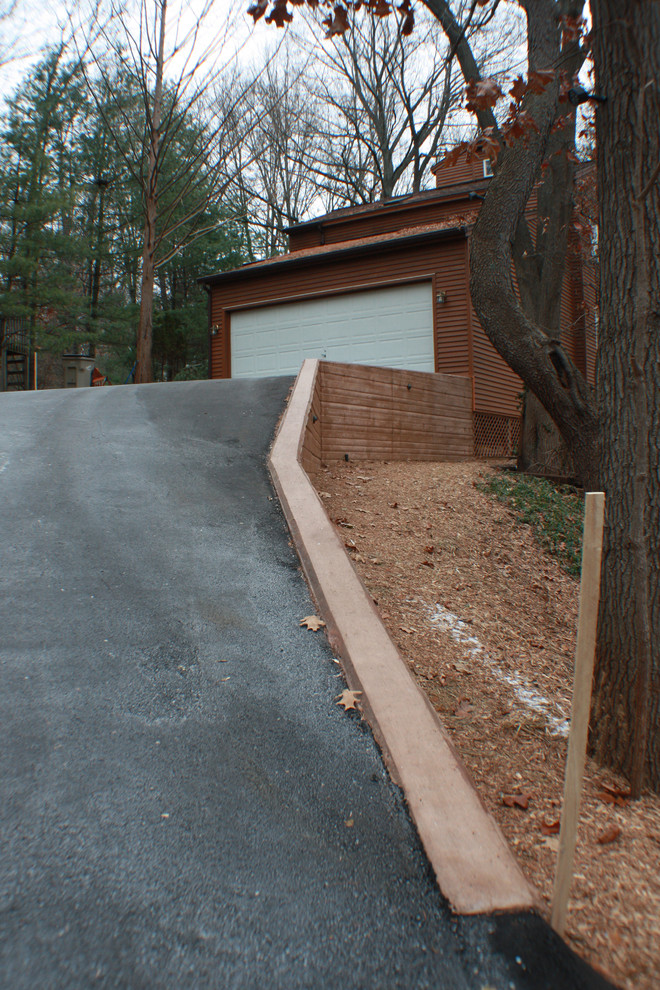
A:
[(474, 866)]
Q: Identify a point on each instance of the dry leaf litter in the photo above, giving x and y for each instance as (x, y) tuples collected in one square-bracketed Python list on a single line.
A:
[(486, 622)]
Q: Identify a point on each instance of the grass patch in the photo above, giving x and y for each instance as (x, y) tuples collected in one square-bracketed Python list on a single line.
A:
[(555, 513)]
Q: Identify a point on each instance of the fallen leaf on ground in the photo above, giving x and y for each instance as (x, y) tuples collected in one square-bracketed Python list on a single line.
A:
[(312, 622), (550, 826), (516, 801), (463, 709), (616, 791), (613, 794), (349, 823), (610, 834), (348, 699), (224, 660), (607, 798)]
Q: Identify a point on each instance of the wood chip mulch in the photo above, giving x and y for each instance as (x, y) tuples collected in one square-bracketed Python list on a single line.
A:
[(486, 621)]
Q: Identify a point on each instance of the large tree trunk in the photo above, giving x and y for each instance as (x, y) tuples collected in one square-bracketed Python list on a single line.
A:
[(524, 342), (542, 450), (626, 713), (539, 255)]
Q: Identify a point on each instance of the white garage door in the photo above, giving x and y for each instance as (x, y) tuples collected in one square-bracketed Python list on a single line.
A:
[(391, 327)]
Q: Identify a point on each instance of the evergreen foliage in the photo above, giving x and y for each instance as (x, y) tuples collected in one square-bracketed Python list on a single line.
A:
[(71, 224)]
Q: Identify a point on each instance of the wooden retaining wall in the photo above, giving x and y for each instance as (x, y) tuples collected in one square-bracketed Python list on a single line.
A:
[(373, 413)]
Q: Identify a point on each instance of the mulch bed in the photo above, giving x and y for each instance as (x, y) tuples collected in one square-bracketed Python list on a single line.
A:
[(486, 621)]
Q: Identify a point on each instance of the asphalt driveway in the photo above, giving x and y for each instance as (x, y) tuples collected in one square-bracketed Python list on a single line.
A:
[(182, 803)]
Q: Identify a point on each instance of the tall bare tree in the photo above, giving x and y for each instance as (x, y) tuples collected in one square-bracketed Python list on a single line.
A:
[(274, 184), (174, 146), (389, 96)]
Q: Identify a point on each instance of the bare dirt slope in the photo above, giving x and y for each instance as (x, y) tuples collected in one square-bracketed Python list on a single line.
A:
[(486, 621)]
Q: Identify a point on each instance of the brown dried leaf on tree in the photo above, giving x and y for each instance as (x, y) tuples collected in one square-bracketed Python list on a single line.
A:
[(518, 89), (258, 9), (482, 95), (519, 128), (408, 22), (279, 14), (452, 156), (337, 22), (380, 8), (572, 27), (539, 81), (312, 622), (485, 145)]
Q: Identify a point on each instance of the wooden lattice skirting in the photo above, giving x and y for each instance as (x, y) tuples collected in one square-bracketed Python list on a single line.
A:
[(496, 436)]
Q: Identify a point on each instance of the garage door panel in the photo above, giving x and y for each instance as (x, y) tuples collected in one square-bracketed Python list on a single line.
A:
[(390, 327)]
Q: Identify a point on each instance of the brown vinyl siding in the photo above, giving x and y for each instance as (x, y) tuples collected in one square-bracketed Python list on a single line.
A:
[(387, 267), (383, 220), (461, 171), (453, 316), (329, 258), (496, 386), (220, 366)]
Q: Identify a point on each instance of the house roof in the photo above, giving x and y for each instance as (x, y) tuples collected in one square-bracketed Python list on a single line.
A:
[(395, 204), (454, 226)]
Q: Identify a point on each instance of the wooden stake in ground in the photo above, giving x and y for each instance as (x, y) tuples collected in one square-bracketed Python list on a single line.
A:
[(592, 546)]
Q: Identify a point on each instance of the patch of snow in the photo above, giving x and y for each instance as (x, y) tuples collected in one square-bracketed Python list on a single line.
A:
[(474, 650)]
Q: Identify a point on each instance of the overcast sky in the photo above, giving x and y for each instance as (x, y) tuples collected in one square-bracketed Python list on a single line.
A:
[(28, 27)]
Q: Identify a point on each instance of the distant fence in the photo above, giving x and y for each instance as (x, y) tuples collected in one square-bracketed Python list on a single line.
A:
[(14, 334)]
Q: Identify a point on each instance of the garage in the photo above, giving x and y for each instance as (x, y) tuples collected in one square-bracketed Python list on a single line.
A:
[(391, 327)]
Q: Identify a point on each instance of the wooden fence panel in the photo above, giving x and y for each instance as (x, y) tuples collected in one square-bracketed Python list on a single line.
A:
[(387, 414)]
